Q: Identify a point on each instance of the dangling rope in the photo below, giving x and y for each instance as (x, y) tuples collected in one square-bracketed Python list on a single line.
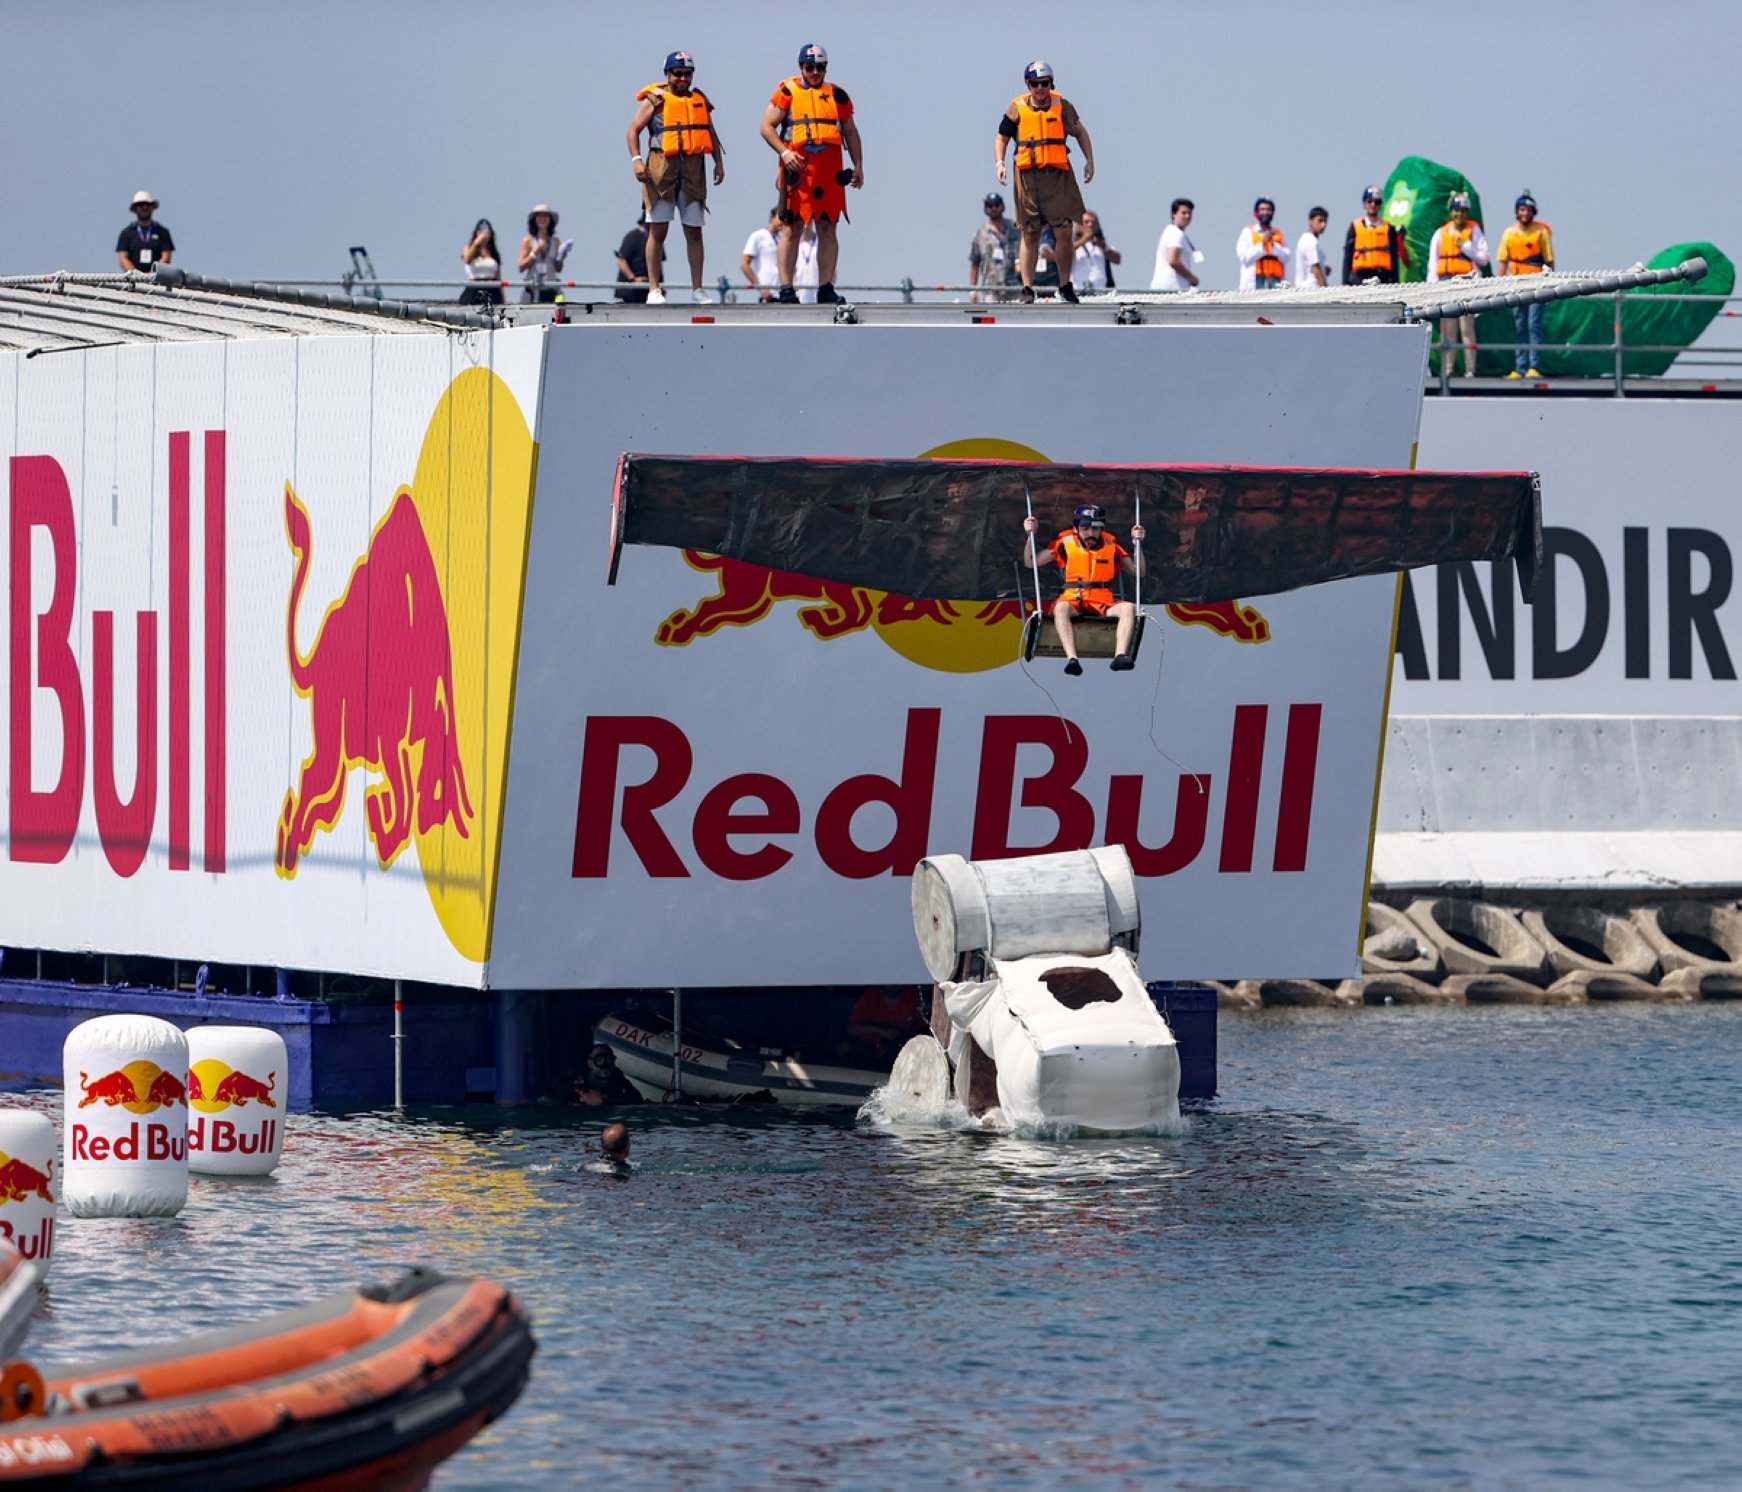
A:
[(1161, 641)]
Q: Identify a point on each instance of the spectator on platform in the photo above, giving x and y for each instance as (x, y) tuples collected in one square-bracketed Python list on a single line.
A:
[(632, 263), (1457, 251), (1175, 254), (1261, 250), (1526, 248), (1092, 266), (144, 243), (1373, 252), (993, 254), (1312, 265), (542, 255), (760, 265), (483, 261)]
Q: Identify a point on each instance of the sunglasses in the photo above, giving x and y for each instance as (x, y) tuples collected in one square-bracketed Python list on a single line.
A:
[(814, 67), (1041, 83), (681, 72)]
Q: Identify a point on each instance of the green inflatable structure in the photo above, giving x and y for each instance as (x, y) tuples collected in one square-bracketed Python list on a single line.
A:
[(1580, 333)]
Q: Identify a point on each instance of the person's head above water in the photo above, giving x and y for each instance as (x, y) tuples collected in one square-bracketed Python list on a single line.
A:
[(614, 1142)]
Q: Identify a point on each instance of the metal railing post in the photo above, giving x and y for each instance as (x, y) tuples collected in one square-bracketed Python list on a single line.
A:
[(1620, 352)]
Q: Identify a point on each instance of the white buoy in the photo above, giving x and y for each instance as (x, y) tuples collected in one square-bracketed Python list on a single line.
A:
[(126, 1118), (27, 1183), (237, 1077)]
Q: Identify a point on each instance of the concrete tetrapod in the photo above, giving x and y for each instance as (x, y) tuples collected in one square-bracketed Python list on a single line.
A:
[(1394, 989), (1693, 935), (1298, 993), (1395, 945), (1591, 940), (1475, 937), (1611, 985), (1504, 989)]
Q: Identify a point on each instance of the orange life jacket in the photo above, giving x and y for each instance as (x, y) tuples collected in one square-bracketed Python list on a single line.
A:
[(1372, 247), (1528, 251), (685, 120), (1453, 243), (1268, 266), (815, 116), (1088, 571), (1040, 135)]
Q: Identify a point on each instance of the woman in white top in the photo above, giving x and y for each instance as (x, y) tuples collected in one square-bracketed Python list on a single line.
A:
[(541, 256), (1091, 267), (483, 261)]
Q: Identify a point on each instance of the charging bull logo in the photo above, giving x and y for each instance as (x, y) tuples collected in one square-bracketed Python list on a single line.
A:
[(141, 1087), (18, 1180), (214, 1085), (380, 682)]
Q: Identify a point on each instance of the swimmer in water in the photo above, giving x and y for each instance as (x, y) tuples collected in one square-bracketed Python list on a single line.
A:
[(614, 1146)]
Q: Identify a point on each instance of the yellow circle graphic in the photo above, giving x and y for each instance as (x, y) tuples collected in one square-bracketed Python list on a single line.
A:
[(473, 493), (971, 636)]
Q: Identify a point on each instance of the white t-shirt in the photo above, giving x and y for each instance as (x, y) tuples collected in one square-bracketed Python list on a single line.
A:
[(763, 252), (805, 278), (1166, 277), (1089, 268), (1308, 251)]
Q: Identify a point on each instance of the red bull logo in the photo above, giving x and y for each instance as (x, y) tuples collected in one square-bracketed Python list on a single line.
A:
[(1225, 618), (213, 1085), (140, 1087), (380, 686), (18, 1180)]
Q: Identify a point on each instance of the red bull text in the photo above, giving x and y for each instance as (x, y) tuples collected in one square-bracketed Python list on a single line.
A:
[(160, 1143), (380, 686)]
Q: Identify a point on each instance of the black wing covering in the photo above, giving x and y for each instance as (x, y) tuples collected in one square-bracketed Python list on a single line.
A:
[(952, 530)]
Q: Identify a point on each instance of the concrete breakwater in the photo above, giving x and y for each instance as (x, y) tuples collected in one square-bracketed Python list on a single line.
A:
[(1447, 950)]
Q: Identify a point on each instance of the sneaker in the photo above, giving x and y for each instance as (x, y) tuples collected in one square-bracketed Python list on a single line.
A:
[(1072, 666), (788, 296), (826, 295), (1026, 295), (699, 296), (1068, 292), (1532, 373), (1122, 663), (1515, 374), (656, 297)]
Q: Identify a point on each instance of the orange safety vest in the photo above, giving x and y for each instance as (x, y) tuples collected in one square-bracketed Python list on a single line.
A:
[(1269, 266), (1528, 254), (1088, 571), (818, 122), (1372, 247), (1040, 136), (686, 120), (1453, 260)]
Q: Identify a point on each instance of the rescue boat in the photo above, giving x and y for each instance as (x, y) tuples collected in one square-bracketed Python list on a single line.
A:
[(720, 1070), (372, 1388)]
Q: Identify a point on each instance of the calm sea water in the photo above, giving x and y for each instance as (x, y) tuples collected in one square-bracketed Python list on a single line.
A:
[(1426, 1246)]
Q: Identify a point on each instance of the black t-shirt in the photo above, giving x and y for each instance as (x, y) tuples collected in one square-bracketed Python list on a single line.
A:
[(633, 252), (144, 244)]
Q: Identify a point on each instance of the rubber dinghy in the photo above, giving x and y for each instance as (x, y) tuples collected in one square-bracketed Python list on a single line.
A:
[(372, 1388), (1040, 1010)]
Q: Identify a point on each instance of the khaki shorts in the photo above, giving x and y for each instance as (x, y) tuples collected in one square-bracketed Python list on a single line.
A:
[(676, 186), (1047, 199)]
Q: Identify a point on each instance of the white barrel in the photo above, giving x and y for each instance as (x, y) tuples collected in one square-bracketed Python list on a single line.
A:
[(126, 1118), (236, 1082), (27, 1182), (1075, 902)]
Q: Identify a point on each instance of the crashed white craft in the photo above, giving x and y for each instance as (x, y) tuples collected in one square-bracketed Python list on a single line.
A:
[(1043, 1012)]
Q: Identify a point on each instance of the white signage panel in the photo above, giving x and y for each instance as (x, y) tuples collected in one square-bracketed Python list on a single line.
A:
[(722, 776)]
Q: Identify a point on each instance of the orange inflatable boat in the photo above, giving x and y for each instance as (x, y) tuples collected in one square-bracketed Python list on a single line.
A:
[(370, 1389)]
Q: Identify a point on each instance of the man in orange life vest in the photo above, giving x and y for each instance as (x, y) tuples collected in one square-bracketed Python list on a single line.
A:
[(1262, 251), (1090, 557), (680, 130), (1372, 249), (1526, 248), (1042, 123), (807, 122)]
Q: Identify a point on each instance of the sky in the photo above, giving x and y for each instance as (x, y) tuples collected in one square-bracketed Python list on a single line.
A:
[(277, 135)]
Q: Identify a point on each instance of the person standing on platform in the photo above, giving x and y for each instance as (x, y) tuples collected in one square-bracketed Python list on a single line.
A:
[(144, 243), (632, 257), (679, 122), (1263, 253), (541, 256), (1526, 248), (1042, 124), (1372, 249), (993, 254), (1312, 265), (1457, 251), (760, 265), (1092, 269), (1175, 254), (808, 121)]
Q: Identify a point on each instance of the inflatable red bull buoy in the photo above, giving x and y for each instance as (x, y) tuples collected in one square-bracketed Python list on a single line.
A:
[(126, 1118), (27, 1183), (237, 1077)]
